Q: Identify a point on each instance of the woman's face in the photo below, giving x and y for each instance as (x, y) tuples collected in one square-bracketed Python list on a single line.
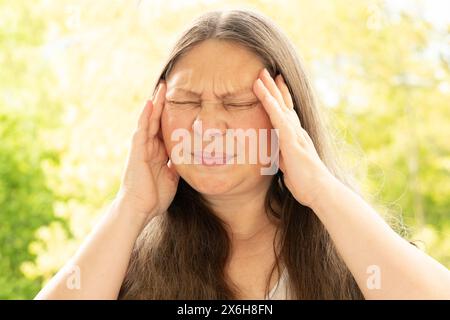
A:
[(196, 101)]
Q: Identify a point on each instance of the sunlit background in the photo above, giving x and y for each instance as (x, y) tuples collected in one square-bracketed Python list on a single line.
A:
[(74, 75)]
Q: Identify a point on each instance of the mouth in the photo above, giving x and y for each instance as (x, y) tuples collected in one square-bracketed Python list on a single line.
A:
[(208, 159)]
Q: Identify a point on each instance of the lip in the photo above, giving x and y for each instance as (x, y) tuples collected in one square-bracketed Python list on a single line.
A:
[(219, 159)]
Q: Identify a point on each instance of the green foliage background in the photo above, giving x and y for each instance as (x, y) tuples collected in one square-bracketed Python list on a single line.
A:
[(74, 74)]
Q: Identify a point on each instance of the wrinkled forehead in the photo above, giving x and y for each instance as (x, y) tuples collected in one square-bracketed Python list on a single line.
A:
[(214, 70), (191, 85)]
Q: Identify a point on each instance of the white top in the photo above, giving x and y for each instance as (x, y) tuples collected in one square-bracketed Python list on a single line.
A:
[(280, 290)]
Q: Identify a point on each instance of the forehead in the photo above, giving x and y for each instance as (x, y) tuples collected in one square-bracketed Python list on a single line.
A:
[(215, 66)]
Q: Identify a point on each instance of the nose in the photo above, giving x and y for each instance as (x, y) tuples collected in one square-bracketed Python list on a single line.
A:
[(211, 120)]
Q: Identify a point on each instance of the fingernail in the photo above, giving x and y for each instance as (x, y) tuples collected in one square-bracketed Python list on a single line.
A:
[(266, 72)]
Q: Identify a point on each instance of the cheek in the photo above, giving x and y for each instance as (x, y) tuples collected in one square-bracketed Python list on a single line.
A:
[(255, 118), (261, 120), (172, 120)]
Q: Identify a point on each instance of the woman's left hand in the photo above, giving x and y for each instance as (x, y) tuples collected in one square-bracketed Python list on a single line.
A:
[(305, 174)]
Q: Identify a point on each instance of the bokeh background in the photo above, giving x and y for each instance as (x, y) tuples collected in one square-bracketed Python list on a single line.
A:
[(74, 75)]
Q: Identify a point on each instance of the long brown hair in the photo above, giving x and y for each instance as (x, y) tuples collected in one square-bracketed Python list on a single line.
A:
[(182, 254)]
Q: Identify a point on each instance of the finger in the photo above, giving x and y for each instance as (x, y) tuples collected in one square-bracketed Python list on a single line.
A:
[(271, 86), (287, 98), (158, 105), (144, 116), (307, 137), (140, 134), (137, 145), (269, 103)]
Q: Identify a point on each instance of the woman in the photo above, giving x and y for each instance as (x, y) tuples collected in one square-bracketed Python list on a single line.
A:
[(207, 230)]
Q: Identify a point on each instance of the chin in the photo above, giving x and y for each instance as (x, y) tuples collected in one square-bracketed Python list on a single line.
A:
[(211, 184)]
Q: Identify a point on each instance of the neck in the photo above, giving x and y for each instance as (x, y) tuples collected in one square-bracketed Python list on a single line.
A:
[(244, 213)]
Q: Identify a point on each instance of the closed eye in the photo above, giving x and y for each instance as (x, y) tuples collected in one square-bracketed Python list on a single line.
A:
[(241, 105), (184, 104)]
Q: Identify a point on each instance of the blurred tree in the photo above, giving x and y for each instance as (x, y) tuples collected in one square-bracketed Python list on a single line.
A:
[(393, 84), (25, 111)]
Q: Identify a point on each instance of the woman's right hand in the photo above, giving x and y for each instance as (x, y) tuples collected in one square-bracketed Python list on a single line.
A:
[(150, 181)]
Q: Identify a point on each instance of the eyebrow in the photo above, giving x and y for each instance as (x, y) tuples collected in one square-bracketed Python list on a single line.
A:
[(222, 96)]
